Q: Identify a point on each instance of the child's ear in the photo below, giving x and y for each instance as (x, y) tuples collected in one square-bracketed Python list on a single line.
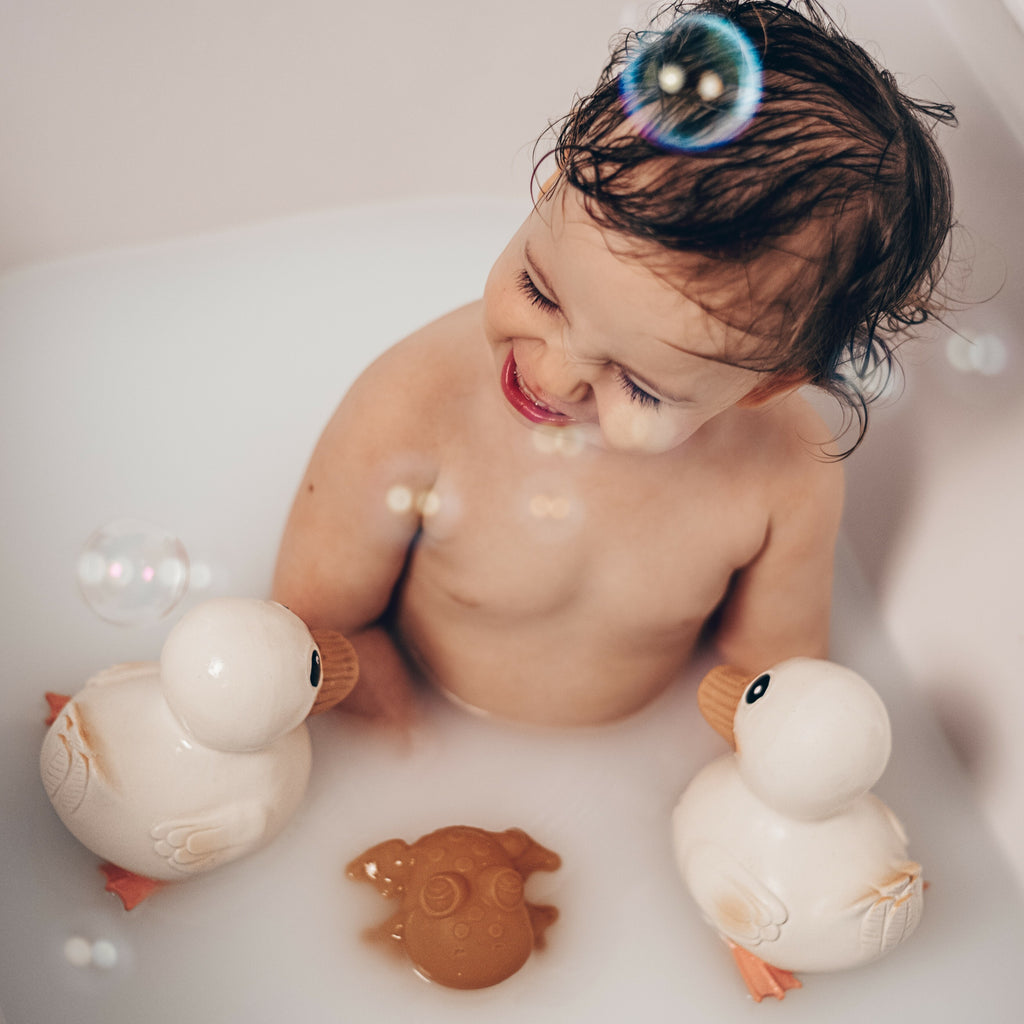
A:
[(774, 386)]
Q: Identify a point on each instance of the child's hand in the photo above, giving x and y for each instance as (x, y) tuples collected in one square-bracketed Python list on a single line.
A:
[(386, 690)]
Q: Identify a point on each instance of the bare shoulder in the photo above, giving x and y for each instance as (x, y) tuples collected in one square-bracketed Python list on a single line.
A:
[(791, 448), (405, 393), (441, 351), (339, 558), (813, 448), (396, 417)]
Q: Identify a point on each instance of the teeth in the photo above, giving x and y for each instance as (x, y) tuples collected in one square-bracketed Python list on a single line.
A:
[(530, 395)]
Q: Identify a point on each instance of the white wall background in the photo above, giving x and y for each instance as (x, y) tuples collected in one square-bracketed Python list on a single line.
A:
[(128, 121)]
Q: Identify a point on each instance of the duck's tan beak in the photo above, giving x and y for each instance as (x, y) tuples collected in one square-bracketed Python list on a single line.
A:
[(340, 669), (719, 694)]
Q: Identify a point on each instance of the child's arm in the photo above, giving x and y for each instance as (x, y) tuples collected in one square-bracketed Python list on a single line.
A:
[(779, 605), (353, 521)]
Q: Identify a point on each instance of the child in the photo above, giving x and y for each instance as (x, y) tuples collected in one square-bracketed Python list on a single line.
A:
[(539, 501)]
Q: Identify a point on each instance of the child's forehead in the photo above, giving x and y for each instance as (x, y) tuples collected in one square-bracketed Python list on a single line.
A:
[(750, 299)]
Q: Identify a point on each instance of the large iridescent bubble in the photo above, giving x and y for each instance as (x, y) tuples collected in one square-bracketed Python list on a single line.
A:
[(693, 86), (132, 572)]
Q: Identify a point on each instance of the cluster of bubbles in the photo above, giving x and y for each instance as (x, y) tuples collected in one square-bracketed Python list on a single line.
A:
[(547, 506), (401, 499), (565, 441), (984, 354), (132, 572), (80, 952), (694, 86)]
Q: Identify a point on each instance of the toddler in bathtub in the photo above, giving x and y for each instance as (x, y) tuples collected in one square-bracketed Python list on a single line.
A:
[(542, 500)]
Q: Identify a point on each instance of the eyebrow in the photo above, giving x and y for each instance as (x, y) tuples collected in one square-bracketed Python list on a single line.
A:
[(539, 274)]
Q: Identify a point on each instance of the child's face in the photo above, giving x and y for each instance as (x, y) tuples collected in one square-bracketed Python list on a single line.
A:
[(584, 334)]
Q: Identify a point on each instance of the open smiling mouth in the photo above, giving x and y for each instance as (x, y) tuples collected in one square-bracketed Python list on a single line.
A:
[(523, 402)]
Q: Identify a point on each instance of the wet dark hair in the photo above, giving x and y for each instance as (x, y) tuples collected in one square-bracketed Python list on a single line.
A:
[(837, 179)]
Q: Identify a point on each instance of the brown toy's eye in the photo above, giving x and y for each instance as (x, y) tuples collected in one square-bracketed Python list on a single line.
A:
[(443, 894), (503, 885)]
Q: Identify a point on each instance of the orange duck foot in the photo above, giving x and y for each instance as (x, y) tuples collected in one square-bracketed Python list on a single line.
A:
[(762, 979), (131, 888), (55, 701)]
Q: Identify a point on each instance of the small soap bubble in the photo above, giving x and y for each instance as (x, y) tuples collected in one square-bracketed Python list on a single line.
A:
[(693, 86), (671, 78), (545, 441), (78, 951), (399, 499), (132, 573), (876, 381), (428, 504), (544, 506), (104, 954), (710, 87)]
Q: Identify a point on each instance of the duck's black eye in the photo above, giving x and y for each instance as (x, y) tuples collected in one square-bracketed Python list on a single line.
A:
[(314, 669), (758, 688)]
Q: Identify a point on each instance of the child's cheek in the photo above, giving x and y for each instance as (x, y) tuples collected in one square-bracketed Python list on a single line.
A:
[(630, 428)]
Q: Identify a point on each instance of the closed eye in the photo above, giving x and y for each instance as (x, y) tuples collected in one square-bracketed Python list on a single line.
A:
[(637, 393), (534, 294)]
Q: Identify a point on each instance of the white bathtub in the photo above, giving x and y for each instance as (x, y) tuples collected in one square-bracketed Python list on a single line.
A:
[(184, 381)]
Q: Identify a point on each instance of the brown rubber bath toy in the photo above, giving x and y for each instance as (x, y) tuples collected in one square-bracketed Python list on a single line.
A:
[(463, 920)]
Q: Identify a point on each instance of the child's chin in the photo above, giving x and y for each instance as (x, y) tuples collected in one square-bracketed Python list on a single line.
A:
[(570, 438), (591, 436), (636, 442)]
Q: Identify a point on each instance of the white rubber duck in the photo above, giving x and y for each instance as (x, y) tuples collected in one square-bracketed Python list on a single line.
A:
[(790, 858), (170, 769)]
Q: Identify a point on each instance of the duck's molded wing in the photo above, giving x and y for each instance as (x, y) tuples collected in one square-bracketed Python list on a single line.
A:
[(66, 762), (892, 910), (732, 898), (75, 755), (202, 841)]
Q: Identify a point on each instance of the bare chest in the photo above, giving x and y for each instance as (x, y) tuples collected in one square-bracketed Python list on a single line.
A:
[(523, 534)]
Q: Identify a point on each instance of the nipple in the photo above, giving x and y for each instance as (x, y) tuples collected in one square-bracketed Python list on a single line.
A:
[(693, 86)]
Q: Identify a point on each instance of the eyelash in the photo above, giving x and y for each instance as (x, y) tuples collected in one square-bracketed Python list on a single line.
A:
[(541, 301), (637, 393), (534, 294)]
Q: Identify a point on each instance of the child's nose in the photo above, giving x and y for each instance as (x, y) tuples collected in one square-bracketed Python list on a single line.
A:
[(562, 376)]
